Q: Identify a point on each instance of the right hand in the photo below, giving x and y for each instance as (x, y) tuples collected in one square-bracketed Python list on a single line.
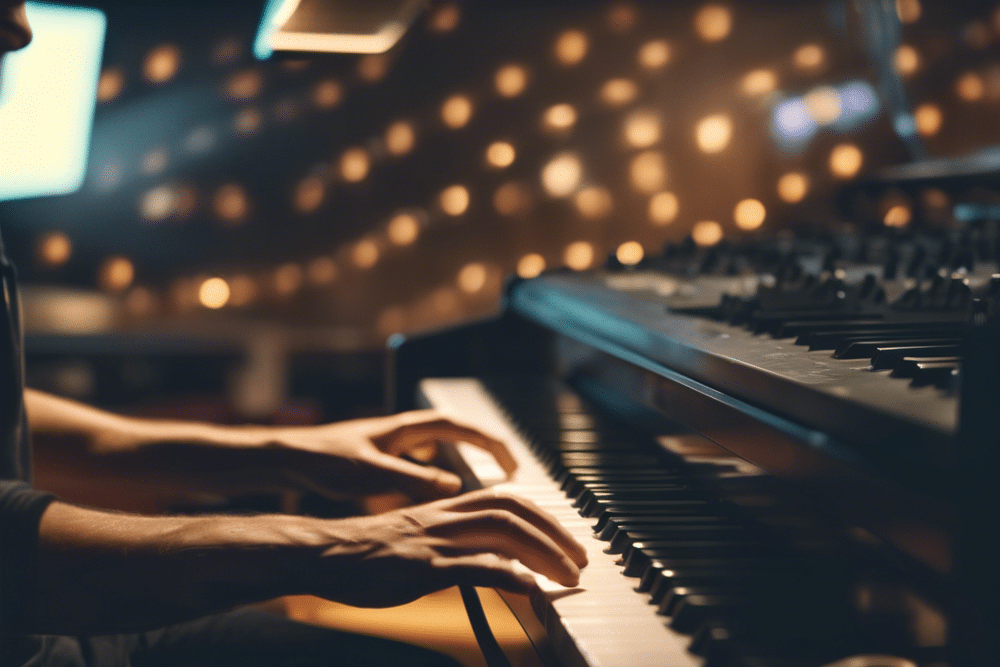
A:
[(393, 558)]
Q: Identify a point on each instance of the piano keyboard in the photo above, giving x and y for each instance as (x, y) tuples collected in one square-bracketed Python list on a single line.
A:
[(671, 567)]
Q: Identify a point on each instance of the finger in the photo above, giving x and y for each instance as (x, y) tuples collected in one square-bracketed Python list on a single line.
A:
[(422, 482), (487, 570), (490, 499), (419, 427), (510, 536)]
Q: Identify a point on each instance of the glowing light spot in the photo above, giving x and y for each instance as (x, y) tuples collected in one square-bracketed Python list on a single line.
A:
[(288, 279), (759, 82), (445, 301), (445, 19), (571, 47), (472, 278), (630, 253), (531, 265), (244, 85), (713, 133), (230, 203), (455, 200), (400, 138), (936, 198), (365, 254), (242, 290), (404, 228), (618, 92), (908, 11), (512, 199), (116, 274), (648, 171), (793, 123), (214, 293), (654, 54), (561, 175), (579, 255), (373, 67), (970, 87), (749, 214), (929, 119), (706, 232), (824, 105), (327, 94), (713, 23), (793, 187), (907, 60), (158, 204), (808, 56), (511, 80), (248, 121), (456, 112), (642, 129), (309, 194), (54, 249), (391, 320), (845, 160), (200, 140), (322, 271), (559, 117), (500, 154), (110, 85), (621, 17), (594, 202), (140, 302), (898, 216), (354, 164), (227, 51), (154, 161), (663, 208), (162, 63)]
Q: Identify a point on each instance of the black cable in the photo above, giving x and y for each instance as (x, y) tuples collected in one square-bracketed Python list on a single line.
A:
[(495, 657)]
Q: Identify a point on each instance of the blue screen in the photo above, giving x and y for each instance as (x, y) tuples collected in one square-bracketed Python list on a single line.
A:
[(47, 96)]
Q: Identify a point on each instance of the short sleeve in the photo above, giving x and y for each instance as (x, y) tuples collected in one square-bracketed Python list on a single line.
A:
[(21, 509)]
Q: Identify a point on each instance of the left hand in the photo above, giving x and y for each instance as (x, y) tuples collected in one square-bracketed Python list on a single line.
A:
[(362, 456)]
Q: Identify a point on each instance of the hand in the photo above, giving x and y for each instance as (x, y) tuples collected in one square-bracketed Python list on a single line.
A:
[(399, 556), (362, 456)]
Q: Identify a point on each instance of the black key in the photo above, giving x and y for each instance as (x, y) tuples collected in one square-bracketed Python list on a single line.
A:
[(627, 504), (628, 535), (888, 357), (637, 556), (613, 514), (639, 522), (939, 374), (868, 348), (695, 610), (908, 367), (825, 340)]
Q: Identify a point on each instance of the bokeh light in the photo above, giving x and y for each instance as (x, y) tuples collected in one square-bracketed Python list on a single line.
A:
[(162, 63), (373, 67), (110, 85), (630, 253), (706, 232), (809, 56), (403, 229), (749, 214), (214, 293), (898, 215), (230, 203), (713, 22), (500, 154), (116, 274), (663, 208), (354, 164), (309, 194), (531, 265), (445, 18), (559, 117), (455, 200), (248, 121), (594, 202), (472, 278), (929, 119), (365, 254), (571, 47), (158, 204), (793, 187), (846, 160), (654, 54), (824, 104), (618, 92), (322, 271), (970, 87), (456, 112), (288, 279), (907, 60), (242, 290), (54, 249), (400, 138), (648, 171), (579, 256), (561, 175), (513, 198), (244, 85), (511, 80), (641, 129), (327, 94), (908, 11), (713, 133), (155, 161), (759, 82)]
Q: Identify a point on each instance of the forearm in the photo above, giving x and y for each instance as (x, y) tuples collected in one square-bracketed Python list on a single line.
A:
[(100, 572)]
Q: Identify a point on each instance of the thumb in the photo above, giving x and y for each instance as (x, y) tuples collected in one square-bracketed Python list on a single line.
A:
[(422, 482)]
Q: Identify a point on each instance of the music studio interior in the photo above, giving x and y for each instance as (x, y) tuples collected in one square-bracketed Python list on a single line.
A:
[(726, 273)]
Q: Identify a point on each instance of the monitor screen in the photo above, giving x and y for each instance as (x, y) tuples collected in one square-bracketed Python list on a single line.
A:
[(47, 96)]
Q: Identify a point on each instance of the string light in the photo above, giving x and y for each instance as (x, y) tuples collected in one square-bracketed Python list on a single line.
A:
[(54, 249), (472, 278), (403, 229), (845, 160), (288, 279), (630, 253), (511, 80), (500, 154), (654, 54), (230, 203), (749, 214), (970, 87), (663, 208), (898, 215), (455, 200), (158, 203), (618, 92), (642, 129), (648, 171), (354, 164), (110, 85), (322, 271), (162, 63), (759, 82), (793, 187), (579, 255), (116, 274), (244, 85), (908, 11), (400, 138), (594, 202), (309, 194), (907, 60), (929, 119), (559, 117), (562, 174), (706, 232), (531, 265), (214, 293), (571, 47), (456, 112), (808, 56), (327, 94), (713, 22), (713, 133), (365, 254), (824, 104)]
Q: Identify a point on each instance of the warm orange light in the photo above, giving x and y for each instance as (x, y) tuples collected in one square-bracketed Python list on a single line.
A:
[(242, 290), (713, 133), (500, 154), (559, 117), (512, 199), (845, 160), (579, 256), (759, 82), (809, 56), (445, 18), (648, 171), (227, 51), (116, 274), (511, 80), (288, 279), (327, 94), (154, 161), (618, 92), (472, 278), (54, 249), (908, 10), (642, 129), (630, 253), (158, 204), (531, 265), (248, 121), (929, 119), (907, 60), (654, 54), (970, 87), (749, 214), (365, 254), (621, 17), (404, 228), (110, 85), (244, 85), (898, 216), (230, 203), (571, 47), (162, 63), (824, 104), (594, 202), (214, 293), (354, 164), (793, 187), (456, 112), (562, 174), (706, 232), (187, 201), (140, 302), (445, 301), (400, 138), (455, 200), (713, 22), (663, 208), (322, 271), (309, 194), (373, 67), (391, 320)]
